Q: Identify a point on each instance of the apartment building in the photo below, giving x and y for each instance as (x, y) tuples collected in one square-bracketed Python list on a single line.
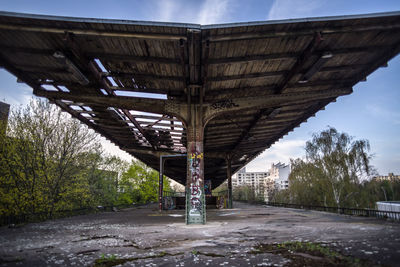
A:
[(390, 177), (252, 179), (278, 179)]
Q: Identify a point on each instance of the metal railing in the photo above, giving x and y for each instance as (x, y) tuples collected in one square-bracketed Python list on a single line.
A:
[(173, 194), (393, 215), (220, 193)]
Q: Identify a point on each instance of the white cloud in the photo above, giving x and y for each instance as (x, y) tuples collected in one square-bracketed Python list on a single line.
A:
[(112, 149), (282, 151), (207, 12), (383, 113), (213, 11), (167, 10), (288, 9)]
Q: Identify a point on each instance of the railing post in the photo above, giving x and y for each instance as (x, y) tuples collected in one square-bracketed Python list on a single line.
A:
[(229, 176), (161, 184)]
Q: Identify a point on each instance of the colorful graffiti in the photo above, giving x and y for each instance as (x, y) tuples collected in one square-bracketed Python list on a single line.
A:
[(222, 202), (196, 184), (169, 203), (207, 187)]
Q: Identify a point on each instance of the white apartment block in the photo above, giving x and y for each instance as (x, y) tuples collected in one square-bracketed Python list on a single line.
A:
[(278, 179), (252, 179)]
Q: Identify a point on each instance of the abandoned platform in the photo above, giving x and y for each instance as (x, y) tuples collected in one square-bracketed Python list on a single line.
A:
[(143, 236)]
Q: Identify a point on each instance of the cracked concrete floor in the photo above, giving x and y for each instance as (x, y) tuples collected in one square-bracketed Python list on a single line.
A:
[(149, 238)]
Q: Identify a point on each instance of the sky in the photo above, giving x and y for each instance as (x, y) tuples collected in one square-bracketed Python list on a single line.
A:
[(371, 112)]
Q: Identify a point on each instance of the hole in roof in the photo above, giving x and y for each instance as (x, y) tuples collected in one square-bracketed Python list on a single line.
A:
[(135, 112), (49, 87), (98, 62), (104, 92), (140, 94), (87, 108), (121, 83), (63, 88), (74, 107), (112, 81)]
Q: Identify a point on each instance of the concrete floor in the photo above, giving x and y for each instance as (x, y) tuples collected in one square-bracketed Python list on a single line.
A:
[(150, 238)]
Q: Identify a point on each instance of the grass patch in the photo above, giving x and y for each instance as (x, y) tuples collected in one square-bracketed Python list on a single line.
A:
[(309, 254), (112, 260), (209, 254), (13, 260)]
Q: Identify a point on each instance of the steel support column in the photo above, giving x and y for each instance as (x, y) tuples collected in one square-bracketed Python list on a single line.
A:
[(229, 176)]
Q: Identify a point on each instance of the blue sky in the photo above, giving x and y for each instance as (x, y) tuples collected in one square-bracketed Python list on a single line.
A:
[(372, 112)]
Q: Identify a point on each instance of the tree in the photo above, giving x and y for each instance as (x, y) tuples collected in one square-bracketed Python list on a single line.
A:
[(43, 159), (248, 194), (139, 184), (331, 174)]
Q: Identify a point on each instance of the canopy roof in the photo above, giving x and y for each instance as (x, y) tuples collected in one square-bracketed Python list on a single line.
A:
[(259, 80)]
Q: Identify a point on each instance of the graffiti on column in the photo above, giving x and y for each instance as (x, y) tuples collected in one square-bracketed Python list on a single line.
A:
[(207, 187), (196, 205), (169, 203)]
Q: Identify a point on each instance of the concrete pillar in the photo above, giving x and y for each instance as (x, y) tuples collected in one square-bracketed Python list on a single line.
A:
[(229, 176), (195, 197)]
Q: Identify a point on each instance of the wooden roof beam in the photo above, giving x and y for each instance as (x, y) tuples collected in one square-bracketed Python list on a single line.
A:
[(300, 62), (302, 32), (99, 33), (131, 58), (141, 76), (145, 90), (247, 76), (124, 102), (293, 55)]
